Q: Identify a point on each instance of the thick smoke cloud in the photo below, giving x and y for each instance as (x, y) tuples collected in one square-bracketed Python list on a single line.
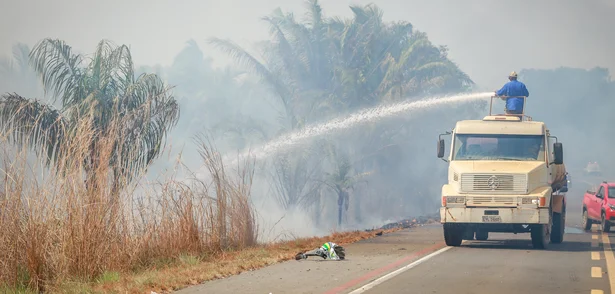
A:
[(487, 39)]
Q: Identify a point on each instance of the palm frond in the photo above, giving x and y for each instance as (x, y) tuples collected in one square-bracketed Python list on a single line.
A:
[(124, 74), (247, 60), (283, 47), (59, 70), (148, 114), (34, 124)]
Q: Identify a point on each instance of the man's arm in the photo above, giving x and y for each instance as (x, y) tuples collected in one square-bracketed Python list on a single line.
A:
[(502, 91), (526, 93)]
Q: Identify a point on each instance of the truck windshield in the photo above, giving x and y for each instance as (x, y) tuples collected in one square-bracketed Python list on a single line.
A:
[(611, 192), (498, 147)]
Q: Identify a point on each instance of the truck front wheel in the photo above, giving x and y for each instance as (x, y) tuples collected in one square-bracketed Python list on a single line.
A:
[(557, 229), (453, 234), (540, 236)]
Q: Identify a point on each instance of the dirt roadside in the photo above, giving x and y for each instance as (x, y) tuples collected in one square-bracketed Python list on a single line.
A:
[(365, 260)]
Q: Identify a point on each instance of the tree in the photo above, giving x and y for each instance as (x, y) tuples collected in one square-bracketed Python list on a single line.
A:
[(295, 177), (342, 180), (327, 66), (102, 88)]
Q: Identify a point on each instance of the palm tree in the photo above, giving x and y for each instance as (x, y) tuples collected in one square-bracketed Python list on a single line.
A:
[(342, 180), (102, 88), (327, 66)]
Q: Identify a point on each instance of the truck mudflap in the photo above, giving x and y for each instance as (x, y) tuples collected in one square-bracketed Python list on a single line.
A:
[(494, 215), (558, 203)]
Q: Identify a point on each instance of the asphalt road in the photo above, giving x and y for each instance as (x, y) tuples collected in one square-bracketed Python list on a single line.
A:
[(417, 261), (509, 266), (505, 263)]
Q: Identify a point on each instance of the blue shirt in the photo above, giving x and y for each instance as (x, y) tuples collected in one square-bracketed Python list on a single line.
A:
[(514, 88)]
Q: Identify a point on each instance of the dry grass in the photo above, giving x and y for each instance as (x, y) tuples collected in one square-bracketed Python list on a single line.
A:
[(68, 223), (68, 228), (180, 274)]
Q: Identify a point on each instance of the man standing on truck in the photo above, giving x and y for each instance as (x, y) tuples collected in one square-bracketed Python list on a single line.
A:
[(513, 88)]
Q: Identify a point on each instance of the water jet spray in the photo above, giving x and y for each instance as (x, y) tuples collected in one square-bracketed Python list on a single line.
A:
[(361, 117)]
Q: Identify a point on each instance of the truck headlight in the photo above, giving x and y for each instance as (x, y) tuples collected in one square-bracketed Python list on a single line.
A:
[(529, 200), (612, 206), (540, 201), (455, 200)]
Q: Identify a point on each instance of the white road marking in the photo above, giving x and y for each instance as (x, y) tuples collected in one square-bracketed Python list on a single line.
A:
[(398, 271), (596, 272)]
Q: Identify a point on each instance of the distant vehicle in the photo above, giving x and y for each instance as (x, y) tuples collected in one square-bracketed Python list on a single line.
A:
[(599, 206), (506, 174), (593, 169)]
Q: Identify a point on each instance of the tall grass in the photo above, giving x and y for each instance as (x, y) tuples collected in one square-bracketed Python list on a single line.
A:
[(67, 222)]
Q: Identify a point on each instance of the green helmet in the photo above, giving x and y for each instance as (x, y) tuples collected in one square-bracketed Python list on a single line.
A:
[(326, 246)]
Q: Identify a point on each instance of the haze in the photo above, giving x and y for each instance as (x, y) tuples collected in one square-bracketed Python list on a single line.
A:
[(487, 39)]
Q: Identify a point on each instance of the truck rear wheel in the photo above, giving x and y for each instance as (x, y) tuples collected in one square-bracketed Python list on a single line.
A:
[(453, 234), (557, 229), (540, 236)]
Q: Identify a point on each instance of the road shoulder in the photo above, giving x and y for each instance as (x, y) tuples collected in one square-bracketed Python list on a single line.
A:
[(366, 261)]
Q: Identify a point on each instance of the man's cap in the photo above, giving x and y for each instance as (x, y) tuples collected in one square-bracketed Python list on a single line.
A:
[(513, 74)]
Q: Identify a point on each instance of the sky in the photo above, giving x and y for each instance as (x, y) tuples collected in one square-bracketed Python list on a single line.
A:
[(488, 39)]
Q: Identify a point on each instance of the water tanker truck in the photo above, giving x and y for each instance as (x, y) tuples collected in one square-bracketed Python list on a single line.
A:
[(506, 174)]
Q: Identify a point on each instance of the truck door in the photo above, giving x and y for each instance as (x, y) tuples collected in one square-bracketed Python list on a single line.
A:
[(596, 204)]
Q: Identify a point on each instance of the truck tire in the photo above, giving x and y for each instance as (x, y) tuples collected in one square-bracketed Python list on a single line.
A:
[(557, 229), (606, 226), (482, 235), (586, 222), (453, 234), (540, 236)]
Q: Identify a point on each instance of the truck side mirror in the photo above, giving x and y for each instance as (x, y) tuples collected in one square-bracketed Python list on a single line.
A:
[(440, 148), (558, 153)]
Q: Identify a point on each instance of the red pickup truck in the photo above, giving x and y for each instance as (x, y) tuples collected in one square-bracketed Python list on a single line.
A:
[(599, 207)]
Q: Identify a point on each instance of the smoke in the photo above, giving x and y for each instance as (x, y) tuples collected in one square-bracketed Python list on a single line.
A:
[(487, 38), (240, 112)]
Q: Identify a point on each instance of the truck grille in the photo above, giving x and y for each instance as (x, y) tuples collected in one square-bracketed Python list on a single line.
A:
[(490, 200), (494, 183)]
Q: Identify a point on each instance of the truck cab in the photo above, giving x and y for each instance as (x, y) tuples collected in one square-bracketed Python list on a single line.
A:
[(599, 206), (505, 174)]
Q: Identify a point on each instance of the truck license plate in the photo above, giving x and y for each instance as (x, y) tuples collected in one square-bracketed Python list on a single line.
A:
[(492, 219)]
